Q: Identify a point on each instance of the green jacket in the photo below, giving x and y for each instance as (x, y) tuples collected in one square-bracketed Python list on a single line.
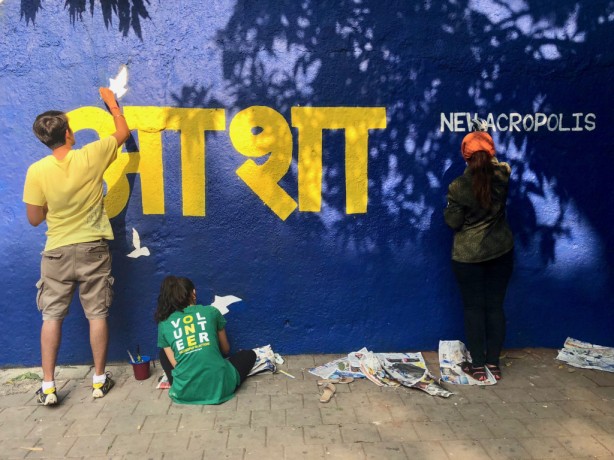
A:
[(480, 234)]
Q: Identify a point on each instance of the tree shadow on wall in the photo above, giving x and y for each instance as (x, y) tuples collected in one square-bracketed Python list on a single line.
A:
[(129, 13), (419, 59)]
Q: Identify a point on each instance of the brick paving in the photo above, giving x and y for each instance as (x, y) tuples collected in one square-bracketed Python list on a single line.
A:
[(541, 409)]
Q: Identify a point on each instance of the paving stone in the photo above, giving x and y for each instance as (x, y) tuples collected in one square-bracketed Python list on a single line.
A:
[(509, 410), (127, 424), (513, 395), (254, 402), (545, 410), (228, 453), (544, 427), (284, 435), (52, 447), (364, 386), (607, 441), (244, 436), (352, 399), (477, 411), (299, 362), (580, 408), (195, 421), (268, 418), (132, 444), (44, 428), (202, 439), (261, 453), (434, 431), (153, 407), (322, 434), (48, 413), (185, 408), (544, 447), (464, 449), (17, 447), (438, 413), (161, 423), (606, 423), (288, 401), (335, 415), (272, 388), (360, 432), (11, 414), (118, 408), (85, 446), (234, 418), (582, 426), (547, 394), (387, 450), (470, 429), (397, 432), (304, 417), (584, 446), (507, 427), (376, 413), (505, 448), (302, 387), (188, 455), (408, 412), (352, 451), (425, 450), (169, 442), (90, 427)]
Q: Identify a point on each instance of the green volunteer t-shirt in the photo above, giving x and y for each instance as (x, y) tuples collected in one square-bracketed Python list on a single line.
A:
[(202, 375)]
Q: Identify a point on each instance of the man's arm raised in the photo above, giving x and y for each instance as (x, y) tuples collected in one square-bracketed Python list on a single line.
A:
[(122, 132)]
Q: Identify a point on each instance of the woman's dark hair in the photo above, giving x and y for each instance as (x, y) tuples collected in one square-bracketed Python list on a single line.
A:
[(175, 295), (50, 128), (483, 171)]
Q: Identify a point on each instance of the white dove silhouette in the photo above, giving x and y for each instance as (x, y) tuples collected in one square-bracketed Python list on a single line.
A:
[(221, 303), (138, 250), (118, 84)]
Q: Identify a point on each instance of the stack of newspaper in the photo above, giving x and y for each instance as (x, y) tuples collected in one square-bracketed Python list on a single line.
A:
[(384, 369), (586, 355), (452, 355)]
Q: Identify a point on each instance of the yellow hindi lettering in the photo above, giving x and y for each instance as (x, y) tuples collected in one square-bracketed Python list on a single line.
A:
[(356, 121), (255, 132)]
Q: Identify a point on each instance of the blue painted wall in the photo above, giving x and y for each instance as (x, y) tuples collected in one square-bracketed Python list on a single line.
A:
[(329, 281)]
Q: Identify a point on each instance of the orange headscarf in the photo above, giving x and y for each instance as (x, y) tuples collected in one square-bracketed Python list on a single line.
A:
[(476, 141)]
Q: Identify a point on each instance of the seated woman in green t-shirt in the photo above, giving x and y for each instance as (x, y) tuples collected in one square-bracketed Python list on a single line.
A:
[(193, 340)]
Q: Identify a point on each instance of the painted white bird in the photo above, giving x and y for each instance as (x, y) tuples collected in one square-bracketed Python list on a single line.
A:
[(136, 242), (221, 303), (119, 84), (478, 124)]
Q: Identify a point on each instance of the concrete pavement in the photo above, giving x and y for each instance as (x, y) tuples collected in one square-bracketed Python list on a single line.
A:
[(541, 409)]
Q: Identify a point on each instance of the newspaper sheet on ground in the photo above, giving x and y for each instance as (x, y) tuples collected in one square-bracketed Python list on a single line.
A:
[(265, 360), (409, 369), (342, 367), (373, 370), (586, 355), (452, 355)]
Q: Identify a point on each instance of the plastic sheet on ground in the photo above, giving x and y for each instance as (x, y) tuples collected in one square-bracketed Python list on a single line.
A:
[(452, 355), (586, 355)]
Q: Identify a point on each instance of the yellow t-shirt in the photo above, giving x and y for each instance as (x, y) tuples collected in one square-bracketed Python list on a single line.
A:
[(72, 190)]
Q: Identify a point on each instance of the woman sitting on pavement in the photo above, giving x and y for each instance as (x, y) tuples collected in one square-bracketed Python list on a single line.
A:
[(193, 341)]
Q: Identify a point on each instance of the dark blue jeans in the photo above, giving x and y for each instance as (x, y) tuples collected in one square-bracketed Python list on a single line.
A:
[(483, 286)]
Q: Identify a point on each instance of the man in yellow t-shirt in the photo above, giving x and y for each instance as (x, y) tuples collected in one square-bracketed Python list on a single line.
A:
[(65, 189)]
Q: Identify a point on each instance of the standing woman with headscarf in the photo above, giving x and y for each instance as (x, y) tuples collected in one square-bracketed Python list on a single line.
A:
[(482, 253)]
